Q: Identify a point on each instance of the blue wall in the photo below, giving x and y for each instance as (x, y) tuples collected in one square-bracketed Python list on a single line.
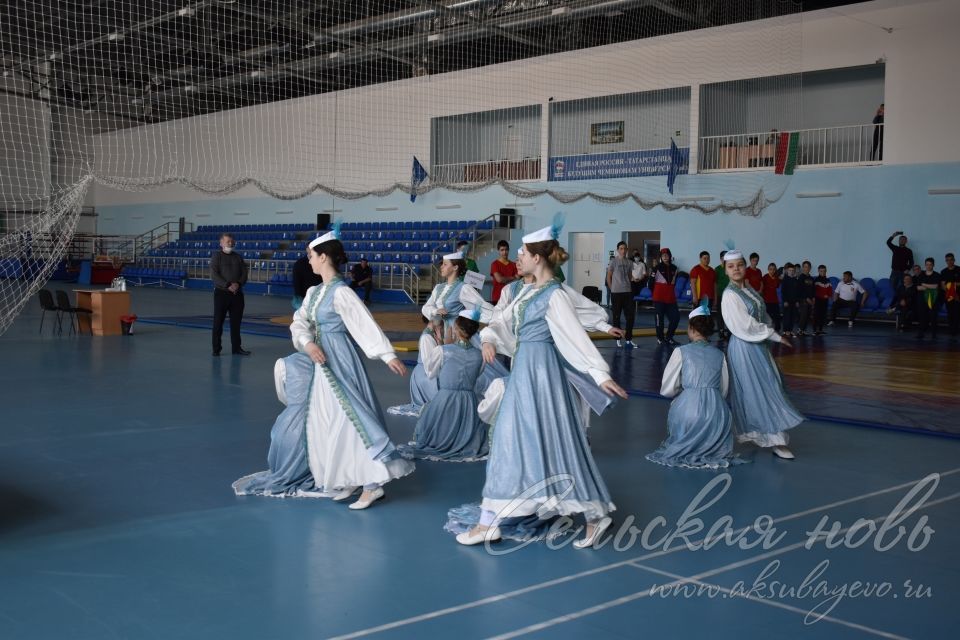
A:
[(846, 232)]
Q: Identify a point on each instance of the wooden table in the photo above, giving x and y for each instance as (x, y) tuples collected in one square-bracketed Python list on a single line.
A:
[(107, 307)]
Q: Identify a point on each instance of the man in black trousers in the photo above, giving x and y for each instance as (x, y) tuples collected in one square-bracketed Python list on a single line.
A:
[(229, 273)]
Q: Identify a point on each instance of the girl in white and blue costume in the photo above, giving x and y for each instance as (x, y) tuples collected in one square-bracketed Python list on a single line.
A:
[(449, 428), (592, 317), (537, 434), (762, 414), (331, 439), (447, 299), (696, 377)]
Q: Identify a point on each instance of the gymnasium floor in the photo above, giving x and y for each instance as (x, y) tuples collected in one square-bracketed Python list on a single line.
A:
[(117, 519)]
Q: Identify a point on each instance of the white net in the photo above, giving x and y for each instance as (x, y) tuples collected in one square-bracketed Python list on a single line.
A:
[(577, 99)]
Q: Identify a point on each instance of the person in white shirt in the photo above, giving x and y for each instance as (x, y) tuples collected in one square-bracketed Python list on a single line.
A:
[(845, 297)]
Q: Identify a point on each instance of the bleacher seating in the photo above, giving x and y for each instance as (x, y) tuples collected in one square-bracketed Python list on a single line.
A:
[(271, 249)]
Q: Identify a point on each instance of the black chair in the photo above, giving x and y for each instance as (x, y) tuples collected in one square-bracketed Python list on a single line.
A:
[(592, 293), (63, 303), (47, 304)]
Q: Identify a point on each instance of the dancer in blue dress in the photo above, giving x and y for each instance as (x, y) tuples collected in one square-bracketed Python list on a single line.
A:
[(762, 414), (699, 419), (540, 462), (447, 299), (449, 428), (331, 439), (592, 317)]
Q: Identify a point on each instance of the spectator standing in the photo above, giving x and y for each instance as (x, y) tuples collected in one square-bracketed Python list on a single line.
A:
[(928, 299), (619, 273), (845, 297), (949, 282), (361, 276), (663, 283), (807, 295), (502, 269), (877, 152), (902, 259), (904, 304), (791, 293), (228, 270), (770, 287), (822, 292), (703, 281), (303, 279), (754, 275), (638, 273)]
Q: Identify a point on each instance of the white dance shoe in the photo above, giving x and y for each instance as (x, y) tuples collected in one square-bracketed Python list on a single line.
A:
[(598, 531), (468, 538), (363, 504), (344, 493), (783, 452)]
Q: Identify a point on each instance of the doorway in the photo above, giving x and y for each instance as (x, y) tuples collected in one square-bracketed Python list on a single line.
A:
[(587, 267), (647, 243)]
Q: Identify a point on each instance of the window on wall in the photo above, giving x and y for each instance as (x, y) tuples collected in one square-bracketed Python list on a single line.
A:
[(489, 145)]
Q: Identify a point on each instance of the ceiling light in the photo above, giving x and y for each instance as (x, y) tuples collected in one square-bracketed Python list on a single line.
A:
[(114, 37), (310, 45), (255, 74), (189, 87), (53, 56), (186, 12)]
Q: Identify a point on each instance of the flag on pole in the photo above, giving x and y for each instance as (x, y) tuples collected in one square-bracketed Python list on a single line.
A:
[(676, 162), (786, 154), (416, 179)]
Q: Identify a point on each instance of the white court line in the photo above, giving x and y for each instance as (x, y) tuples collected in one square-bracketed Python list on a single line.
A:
[(639, 595), (774, 603), (616, 565)]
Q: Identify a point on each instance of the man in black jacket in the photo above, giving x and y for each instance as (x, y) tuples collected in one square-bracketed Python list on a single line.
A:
[(303, 279), (229, 273), (791, 292), (904, 304), (902, 260)]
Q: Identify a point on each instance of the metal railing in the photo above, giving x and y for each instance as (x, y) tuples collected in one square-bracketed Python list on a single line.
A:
[(482, 237), (154, 238), (468, 172), (828, 146), (386, 275)]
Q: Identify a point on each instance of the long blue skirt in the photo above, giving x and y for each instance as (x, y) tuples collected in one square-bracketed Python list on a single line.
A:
[(757, 397)]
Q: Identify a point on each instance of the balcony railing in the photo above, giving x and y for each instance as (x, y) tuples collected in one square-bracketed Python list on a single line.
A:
[(831, 146), (468, 172)]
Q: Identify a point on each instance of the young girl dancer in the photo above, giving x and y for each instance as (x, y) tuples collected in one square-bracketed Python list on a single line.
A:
[(449, 428), (537, 437), (762, 414), (331, 439), (699, 419), (447, 299)]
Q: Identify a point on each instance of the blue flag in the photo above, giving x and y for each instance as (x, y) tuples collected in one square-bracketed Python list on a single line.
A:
[(676, 162), (416, 179)]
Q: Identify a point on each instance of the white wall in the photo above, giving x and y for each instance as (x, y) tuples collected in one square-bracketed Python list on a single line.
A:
[(363, 138)]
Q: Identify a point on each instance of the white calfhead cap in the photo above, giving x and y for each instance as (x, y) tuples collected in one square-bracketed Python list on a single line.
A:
[(733, 254)]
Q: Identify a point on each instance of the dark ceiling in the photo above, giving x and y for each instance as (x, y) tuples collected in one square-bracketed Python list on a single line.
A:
[(155, 60)]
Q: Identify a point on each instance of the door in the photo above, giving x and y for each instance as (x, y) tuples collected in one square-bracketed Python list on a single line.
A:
[(587, 266)]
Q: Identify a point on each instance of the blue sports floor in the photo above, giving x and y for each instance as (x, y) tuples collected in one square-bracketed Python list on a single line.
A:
[(117, 519)]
